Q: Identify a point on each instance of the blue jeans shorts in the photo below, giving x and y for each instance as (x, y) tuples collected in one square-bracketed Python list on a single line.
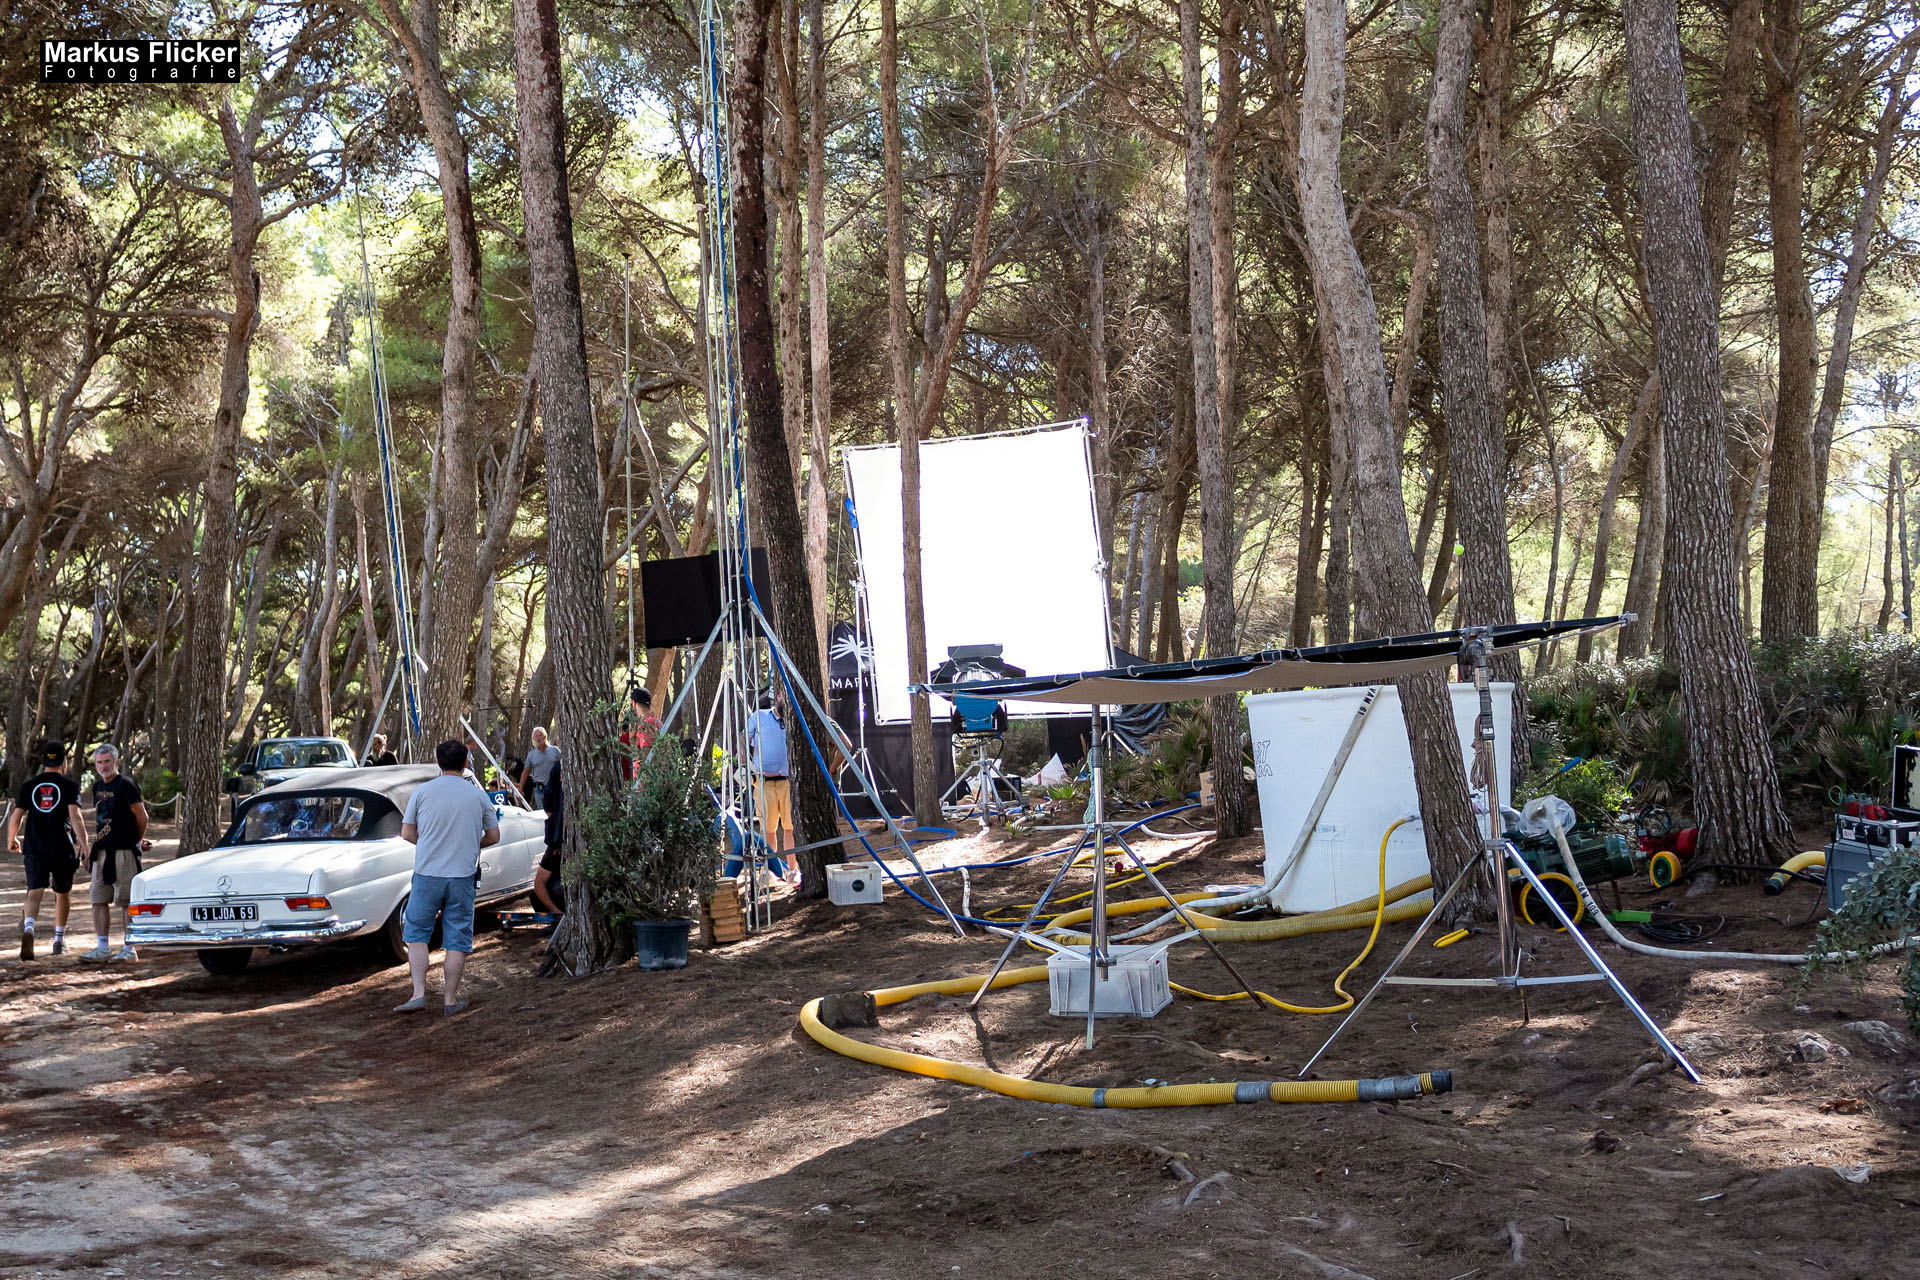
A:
[(450, 898)]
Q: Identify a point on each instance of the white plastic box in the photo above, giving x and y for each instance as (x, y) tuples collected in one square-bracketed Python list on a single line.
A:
[(1295, 736), (1135, 986), (852, 883)]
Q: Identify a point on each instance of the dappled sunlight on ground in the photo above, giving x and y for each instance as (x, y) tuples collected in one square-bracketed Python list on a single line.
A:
[(155, 1119)]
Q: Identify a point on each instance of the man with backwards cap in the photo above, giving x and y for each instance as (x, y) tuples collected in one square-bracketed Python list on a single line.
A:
[(46, 827)]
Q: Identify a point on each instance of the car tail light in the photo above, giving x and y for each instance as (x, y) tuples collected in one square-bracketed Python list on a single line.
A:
[(146, 908), (308, 904)]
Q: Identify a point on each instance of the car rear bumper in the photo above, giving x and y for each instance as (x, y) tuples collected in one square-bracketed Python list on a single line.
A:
[(275, 934)]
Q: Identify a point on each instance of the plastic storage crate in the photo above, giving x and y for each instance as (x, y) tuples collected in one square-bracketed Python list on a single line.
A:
[(852, 883), (1845, 860), (1135, 986)]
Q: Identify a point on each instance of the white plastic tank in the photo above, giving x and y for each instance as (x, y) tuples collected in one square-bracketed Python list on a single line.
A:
[(1295, 737)]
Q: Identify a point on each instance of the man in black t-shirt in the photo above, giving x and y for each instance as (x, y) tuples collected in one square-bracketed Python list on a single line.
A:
[(47, 829), (119, 837)]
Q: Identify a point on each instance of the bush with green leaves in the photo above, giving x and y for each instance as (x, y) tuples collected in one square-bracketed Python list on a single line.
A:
[(1593, 787), (1836, 707), (650, 849), (1882, 905)]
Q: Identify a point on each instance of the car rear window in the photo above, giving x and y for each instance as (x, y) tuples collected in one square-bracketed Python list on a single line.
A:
[(321, 816)]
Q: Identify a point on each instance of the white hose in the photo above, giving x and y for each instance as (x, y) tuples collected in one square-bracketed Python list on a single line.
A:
[(1599, 913)]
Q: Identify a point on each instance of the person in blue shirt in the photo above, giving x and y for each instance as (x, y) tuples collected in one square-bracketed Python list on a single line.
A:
[(767, 756)]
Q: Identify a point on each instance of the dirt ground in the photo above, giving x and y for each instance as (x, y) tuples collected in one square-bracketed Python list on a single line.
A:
[(156, 1121)]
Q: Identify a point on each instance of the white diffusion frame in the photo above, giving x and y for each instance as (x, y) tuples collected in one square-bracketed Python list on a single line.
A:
[(1009, 555)]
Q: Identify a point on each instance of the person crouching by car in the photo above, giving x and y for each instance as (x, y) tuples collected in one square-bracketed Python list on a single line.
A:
[(47, 814), (548, 893), (449, 820)]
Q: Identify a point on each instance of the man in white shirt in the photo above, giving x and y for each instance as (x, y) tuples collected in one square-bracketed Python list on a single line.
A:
[(449, 820)]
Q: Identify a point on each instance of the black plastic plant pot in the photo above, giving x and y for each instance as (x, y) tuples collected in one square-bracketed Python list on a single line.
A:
[(661, 944)]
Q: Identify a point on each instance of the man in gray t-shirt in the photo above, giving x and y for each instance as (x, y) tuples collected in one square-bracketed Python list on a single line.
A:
[(449, 820), (539, 769)]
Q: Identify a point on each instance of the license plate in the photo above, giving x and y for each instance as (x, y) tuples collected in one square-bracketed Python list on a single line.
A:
[(237, 911)]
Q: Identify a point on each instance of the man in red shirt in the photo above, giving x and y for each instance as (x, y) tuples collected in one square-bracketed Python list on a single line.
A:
[(642, 728)]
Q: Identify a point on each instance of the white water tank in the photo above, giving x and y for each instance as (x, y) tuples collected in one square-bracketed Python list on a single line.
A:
[(1295, 737)]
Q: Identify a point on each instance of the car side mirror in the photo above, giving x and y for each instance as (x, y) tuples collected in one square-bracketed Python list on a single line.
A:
[(248, 769)]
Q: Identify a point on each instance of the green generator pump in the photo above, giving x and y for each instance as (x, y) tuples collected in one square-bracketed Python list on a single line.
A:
[(1600, 856)]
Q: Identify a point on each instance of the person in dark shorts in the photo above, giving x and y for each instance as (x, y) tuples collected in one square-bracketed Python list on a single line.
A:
[(119, 838), (548, 893), (47, 829)]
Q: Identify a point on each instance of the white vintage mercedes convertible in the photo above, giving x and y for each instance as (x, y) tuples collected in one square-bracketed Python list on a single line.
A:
[(316, 859)]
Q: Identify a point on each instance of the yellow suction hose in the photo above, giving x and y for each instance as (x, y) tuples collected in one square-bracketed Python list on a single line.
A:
[(1346, 996), (1347, 916), (1171, 1095), (1779, 880)]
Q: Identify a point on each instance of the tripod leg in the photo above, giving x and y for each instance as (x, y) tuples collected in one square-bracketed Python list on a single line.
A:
[(1027, 924), (1187, 919), (1471, 869), (1593, 958)]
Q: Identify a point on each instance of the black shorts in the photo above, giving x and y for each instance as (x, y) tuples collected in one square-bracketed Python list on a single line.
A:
[(56, 872)]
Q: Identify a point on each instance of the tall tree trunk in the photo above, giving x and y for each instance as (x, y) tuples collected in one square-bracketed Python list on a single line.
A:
[(1099, 398), (1906, 560), (1736, 788), (1313, 528), (1886, 557), (1846, 305), (1496, 85), (1727, 128), (313, 691), (1412, 319), (926, 787), (577, 638), (1649, 551), (1643, 409), (369, 619), (1473, 347), (1789, 589), (769, 463), (1391, 599), (1216, 477), (206, 737), (452, 567), (819, 341), (783, 48)]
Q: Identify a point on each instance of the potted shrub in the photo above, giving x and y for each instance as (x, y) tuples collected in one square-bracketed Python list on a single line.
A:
[(650, 849)]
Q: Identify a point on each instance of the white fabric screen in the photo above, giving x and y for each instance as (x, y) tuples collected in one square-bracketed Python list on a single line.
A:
[(1009, 553)]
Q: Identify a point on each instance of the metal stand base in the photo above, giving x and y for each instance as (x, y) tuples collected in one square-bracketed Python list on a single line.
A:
[(1102, 836), (982, 778), (1495, 857)]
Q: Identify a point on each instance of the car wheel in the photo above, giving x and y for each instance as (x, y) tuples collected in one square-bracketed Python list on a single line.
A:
[(225, 961), (391, 942)]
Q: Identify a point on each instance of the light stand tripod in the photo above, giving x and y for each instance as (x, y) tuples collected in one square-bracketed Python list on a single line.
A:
[(1099, 950), (1496, 856), (983, 779)]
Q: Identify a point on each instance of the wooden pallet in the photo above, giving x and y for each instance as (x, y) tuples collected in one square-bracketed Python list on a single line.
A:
[(722, 917)]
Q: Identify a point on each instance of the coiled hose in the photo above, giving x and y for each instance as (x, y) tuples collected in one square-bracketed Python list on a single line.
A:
[(1172, 1095), (1391, 903)]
